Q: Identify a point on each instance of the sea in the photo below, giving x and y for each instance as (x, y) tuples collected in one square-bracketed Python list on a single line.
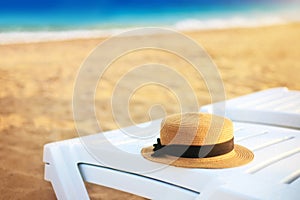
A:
[(26, 21)]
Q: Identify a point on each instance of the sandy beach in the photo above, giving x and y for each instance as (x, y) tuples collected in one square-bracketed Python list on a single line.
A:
[(36, 87)]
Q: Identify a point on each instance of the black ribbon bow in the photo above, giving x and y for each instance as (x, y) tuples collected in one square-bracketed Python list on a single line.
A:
[(156, 148)]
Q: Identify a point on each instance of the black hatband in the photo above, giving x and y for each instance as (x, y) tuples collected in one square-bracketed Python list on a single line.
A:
[(185, 151)]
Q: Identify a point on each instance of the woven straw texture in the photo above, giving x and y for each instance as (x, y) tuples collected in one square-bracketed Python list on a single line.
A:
[(199, 129), (195, 129)]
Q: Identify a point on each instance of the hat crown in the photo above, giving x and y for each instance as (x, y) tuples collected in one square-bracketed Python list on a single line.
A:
[(195, 129), (197, 140)]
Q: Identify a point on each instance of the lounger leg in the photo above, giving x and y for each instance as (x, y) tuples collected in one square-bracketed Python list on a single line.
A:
[(63, 173)]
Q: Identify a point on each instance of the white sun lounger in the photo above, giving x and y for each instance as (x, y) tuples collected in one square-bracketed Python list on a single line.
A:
[(266, 122)]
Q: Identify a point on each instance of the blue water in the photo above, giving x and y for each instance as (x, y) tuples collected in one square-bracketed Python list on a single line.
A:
[(32, 15)]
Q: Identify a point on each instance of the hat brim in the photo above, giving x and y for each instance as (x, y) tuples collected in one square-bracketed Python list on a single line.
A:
[(237, 157)]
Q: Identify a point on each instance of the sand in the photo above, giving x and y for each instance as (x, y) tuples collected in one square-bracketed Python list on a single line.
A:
[(37, 83)]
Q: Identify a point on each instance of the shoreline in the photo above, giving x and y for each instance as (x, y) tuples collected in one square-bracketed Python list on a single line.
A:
[(28, 37)]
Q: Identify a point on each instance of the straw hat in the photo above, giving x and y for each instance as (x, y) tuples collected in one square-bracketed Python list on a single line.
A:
[(197, 140)]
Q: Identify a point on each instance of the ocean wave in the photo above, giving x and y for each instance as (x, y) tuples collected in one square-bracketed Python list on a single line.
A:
[(48, 36), (43, 36), (234, 22), (182, 25)]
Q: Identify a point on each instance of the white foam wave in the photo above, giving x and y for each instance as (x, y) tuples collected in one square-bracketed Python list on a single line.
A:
[(186, 24), (196, 24), (46, 36), (42, 36)]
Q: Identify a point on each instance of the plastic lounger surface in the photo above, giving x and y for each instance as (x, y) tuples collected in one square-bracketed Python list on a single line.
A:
[(273, 174)]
